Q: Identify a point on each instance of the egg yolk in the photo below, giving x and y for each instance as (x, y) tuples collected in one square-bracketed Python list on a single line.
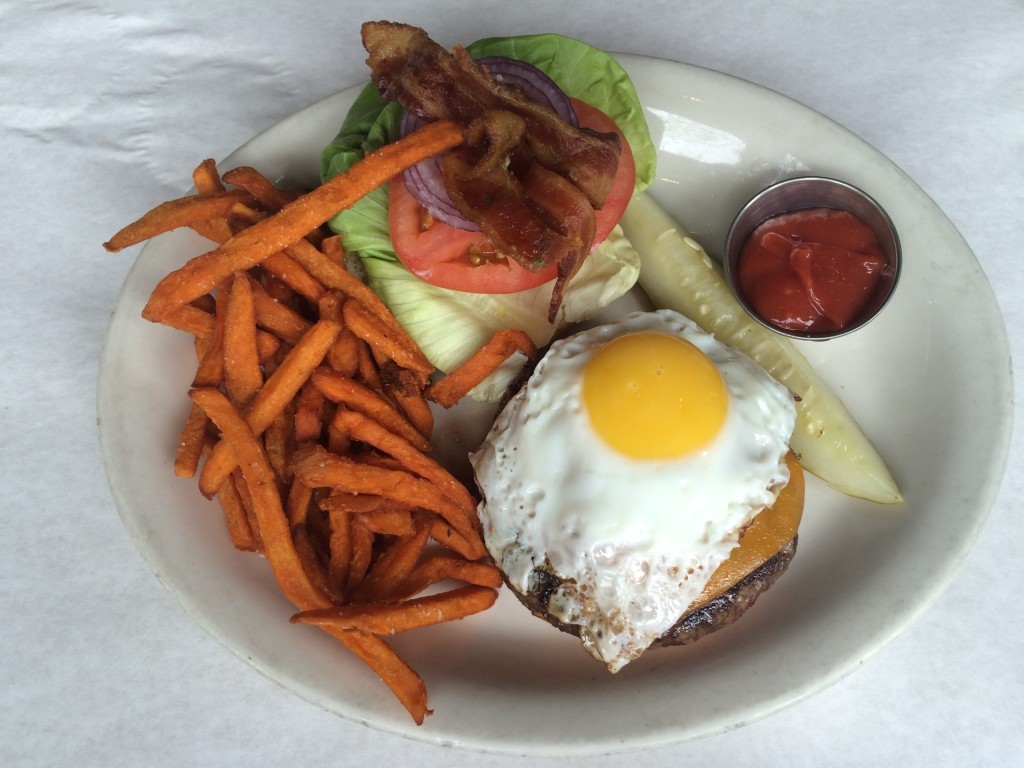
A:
[(654, 396)]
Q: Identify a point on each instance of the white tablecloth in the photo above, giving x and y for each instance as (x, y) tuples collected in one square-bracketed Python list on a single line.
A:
[(104, 109)]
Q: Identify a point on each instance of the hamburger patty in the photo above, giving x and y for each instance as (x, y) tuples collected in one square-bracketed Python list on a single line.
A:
[(731, 604), (714, 615)]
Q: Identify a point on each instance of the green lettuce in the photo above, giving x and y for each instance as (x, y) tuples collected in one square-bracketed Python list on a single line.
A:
[(371, 123), (449, 325)]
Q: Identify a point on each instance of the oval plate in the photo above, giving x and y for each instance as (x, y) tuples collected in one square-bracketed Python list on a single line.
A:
[(929, 381)]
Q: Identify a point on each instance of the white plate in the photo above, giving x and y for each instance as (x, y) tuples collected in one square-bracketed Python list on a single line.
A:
[(929, 381)]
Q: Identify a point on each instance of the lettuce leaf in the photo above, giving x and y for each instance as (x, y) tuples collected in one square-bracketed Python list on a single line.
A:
[(449, 325), (351, 142), (371, 123)]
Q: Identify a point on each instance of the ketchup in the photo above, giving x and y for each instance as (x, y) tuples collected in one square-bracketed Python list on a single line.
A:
[(814, 270)]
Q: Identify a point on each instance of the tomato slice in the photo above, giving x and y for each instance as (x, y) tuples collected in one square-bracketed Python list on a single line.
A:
[(444, 256), (625, 175)]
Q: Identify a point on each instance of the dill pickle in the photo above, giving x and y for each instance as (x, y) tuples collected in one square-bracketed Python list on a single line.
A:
[(676, 273)]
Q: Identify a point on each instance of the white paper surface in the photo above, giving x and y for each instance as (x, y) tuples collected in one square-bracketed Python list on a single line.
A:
[(105, 107)]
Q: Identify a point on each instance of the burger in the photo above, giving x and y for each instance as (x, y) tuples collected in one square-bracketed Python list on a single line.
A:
[(639, 490)]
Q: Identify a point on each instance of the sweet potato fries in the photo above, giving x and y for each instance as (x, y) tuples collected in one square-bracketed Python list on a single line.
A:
[(310, 418)]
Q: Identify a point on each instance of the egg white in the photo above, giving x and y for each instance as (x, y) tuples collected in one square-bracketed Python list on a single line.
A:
[(633, 540)]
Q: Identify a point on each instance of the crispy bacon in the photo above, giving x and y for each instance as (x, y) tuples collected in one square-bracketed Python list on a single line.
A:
[(530, 179), (567, 206)]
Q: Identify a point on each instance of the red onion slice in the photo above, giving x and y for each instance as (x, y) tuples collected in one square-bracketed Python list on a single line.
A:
[(537, 86), (425, 181)]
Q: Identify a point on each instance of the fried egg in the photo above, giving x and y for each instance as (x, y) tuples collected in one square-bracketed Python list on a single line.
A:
[(628, 466)]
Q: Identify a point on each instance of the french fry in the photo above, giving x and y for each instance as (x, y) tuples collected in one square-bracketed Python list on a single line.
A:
[(190, 443), (366, 368), (211, 366), (242, 489), (242, 217), (191, 319), (407, 686), (277, 444), (445, 567), (394, 565), (206, 178), (383, 340), (380, 460), (343, 357), (357, 397), (200, 324), (259, 477), (378, 515), (330, 270), (208, 182), (174, 214), (286, 564), (338, 439), (251, 246), (327, 266), (259, 186), (339, 548), (394, 617), (309, 414), (242, 375), (330, 306), (402, 386), (192, 438), (312, 565), (278, 319), (236, 518), (451, 539), (389, 521), (332, 248), (293, 372), (457, 384), (369, 431), (356, 503), (272, 398), (362, 553), (291, 273), (277, 290), (268, 346), (206, 303), (318, 468), (297, 504)]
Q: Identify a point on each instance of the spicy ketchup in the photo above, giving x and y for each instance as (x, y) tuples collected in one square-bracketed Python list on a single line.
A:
[(814, 270)]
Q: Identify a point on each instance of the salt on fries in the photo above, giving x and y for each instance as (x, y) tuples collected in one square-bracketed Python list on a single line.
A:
[(310, 419)]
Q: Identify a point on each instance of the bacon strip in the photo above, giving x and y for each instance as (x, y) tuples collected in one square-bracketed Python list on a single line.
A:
[(527, 177), (410, 68)]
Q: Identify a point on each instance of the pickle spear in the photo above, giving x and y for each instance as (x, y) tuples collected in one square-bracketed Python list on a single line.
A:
[(676, 273)]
